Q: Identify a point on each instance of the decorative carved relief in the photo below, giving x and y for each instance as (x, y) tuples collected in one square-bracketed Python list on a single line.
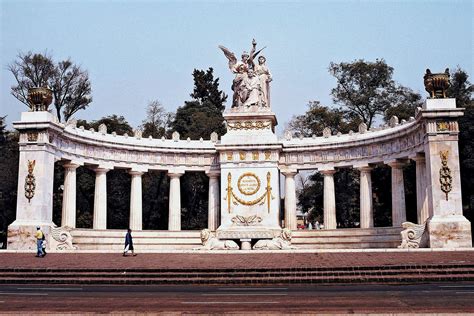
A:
[(32, 136), (30, 181), (267, 155), (230, 156), (246, 221), (242, 155), (61, 239), (445, 178), (248, 189), (255, 155), (442, 126), (249, 125), (413, 235)]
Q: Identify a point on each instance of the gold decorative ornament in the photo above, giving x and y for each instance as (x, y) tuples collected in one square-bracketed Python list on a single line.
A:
[(248, 183), (229, 156), (436, 84), (445, 178), (39, 98), (248, 125), (255, 155), (242, 155), (442, 126), (267, 155), (234, 199), (30, 181), (32, 136)]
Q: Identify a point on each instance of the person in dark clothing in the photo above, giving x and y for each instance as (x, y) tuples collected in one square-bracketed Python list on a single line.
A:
[(128, 243)]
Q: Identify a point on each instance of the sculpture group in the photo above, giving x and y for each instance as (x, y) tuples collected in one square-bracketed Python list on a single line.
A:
[(251, 84)]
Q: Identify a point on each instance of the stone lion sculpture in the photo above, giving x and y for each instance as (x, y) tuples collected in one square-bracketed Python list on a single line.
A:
[(211, 242), (281, 242)]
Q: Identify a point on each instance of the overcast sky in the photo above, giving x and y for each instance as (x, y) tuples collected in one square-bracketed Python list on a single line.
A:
[(138, 51)]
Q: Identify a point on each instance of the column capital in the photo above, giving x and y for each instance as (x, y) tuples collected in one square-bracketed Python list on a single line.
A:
[(136, 173), (364, 168), (71, 166), (213, 174), (396, 164), (418, 157), (100, 170), (328, 172), (289, 172), (175, 174)]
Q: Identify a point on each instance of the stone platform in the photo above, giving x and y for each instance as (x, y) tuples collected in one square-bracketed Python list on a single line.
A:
[(356, 238)]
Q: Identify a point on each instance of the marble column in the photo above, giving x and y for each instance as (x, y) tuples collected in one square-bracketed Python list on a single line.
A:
[(421, 196), (68, 217), (398, 194), (136, 200), (213, 203), (174, 222), (290, 199), (366, 202), (100, 199), (329, 200)]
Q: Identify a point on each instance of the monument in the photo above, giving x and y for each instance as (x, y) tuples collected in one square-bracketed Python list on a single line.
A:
[(244, 168)]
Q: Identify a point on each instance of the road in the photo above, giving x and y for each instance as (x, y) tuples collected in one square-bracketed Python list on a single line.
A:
[(419, 298)]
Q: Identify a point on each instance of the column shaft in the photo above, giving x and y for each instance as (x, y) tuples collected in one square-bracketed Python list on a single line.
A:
[(421, 197), (366, 203), (398, 195), (136, 201), (100, 199), (329, 200), (68, 217), (174, 222), (213, 203), (290, 200)]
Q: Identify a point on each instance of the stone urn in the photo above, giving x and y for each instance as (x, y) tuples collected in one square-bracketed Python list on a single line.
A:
[(436, 84), (40, 98)]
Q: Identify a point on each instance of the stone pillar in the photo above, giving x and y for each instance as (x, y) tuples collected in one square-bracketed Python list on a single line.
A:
[(213, 203), (290, 199), (399, 214), (100, 199), (329, 200), (447, 226), (68, 217), (421, 197), (174, 222), (136, 200), (366, 203)]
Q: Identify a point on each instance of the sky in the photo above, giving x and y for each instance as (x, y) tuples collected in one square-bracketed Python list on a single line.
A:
[(139, 51)]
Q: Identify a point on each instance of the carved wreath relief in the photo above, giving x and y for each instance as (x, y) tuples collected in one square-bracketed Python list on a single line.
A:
[(445, 178), (30, 181), (248, 184)]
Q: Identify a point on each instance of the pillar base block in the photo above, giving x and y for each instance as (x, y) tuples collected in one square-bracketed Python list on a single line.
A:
[(21, 235), (450, 231)]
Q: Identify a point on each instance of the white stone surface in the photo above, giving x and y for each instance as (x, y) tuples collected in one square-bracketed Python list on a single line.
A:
[(174, 222), (136, 200), (366, 200), (290, 199), (329, 200), (438, 104), (214, 201), (69, 196), (100, 199), (398, 194)]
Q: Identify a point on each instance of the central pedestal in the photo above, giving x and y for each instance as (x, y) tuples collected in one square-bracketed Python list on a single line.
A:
[(250, 191)]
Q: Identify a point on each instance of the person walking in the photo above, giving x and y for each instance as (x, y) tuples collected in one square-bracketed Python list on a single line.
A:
[(128, 243), (39, 242)]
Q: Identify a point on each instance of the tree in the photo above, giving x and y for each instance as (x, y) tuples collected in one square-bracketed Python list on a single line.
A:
[(114, 123), (366, 90), (70, 84), (157, 120), (202, 115), (317, 117), (461, 89)]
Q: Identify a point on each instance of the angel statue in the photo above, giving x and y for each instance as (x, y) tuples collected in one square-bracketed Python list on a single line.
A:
[(247, 89)]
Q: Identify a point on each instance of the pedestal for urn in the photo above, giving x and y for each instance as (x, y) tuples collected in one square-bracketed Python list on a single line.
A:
[(250, 190)]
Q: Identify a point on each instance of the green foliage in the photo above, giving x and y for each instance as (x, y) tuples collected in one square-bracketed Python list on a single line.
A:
[(157, 121), (70, 84), (203, 115), (155, 200), (114, 123), (194, 200), (118, 199), (318, 117), (366, 90), (462, 89), (9, 158)]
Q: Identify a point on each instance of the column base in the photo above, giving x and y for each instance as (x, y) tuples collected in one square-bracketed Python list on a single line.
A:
[(451, 231), (246, 244), (21, 235)]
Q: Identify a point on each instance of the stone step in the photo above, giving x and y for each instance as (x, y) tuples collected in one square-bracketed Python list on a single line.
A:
[(376, 279)]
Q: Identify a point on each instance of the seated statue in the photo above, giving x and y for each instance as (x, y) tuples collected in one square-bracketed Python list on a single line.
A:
[(211, 242), (281, 242)]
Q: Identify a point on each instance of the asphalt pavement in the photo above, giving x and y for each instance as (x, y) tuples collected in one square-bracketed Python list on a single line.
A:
[(349, 299)]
